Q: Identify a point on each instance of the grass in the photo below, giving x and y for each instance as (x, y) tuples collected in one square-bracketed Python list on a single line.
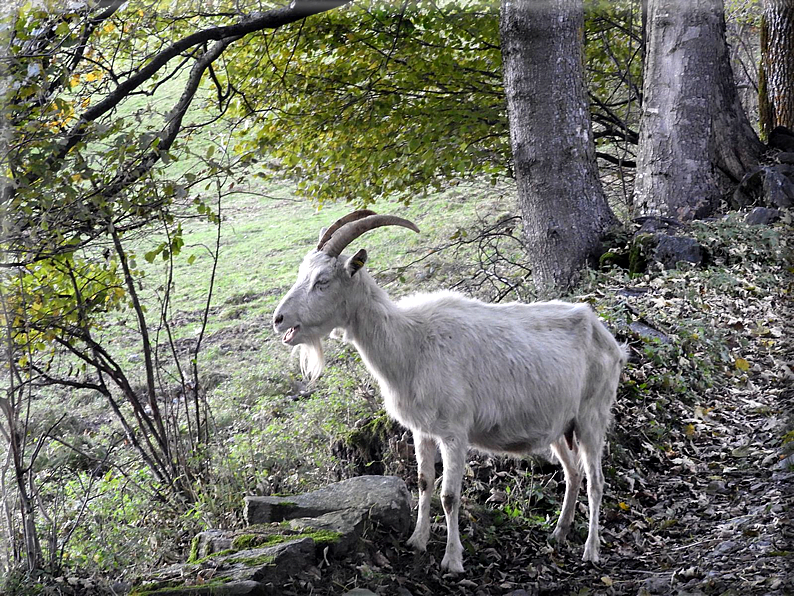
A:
[(276, 430), (272, 433), (264, 242)]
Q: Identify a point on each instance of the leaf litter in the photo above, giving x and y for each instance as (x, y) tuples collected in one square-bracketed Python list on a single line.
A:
[(699, 463)]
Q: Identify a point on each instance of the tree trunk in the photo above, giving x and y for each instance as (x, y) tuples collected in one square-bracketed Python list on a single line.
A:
[(776, 75), (695, 139), (562, 203)]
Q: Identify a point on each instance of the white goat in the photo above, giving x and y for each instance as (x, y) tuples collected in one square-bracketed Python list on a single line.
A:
[(511, 378)]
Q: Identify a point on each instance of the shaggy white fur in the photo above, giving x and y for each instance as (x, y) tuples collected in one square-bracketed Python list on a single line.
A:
[(507, 378)]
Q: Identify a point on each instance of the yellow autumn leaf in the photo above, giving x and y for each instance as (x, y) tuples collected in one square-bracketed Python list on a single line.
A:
[(624, 506), (690, 430), (93, 76), (742, 364), (76, 177), (108, 28)]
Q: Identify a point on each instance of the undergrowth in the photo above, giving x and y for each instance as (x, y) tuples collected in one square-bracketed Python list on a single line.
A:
[(715, 329)]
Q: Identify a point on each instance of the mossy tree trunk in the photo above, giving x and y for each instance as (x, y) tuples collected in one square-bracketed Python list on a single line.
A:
[(776, 75)]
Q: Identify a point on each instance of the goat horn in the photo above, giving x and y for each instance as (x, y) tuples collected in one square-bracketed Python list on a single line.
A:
[(354, 216), (352, 230)]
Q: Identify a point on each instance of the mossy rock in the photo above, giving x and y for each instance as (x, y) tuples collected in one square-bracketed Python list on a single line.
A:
[(617, 255), (236, 573), (641, 253), (249, 541)]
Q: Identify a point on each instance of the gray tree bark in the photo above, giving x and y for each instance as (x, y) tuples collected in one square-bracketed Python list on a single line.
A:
[(695, 139), (776, 84), (565, 213)]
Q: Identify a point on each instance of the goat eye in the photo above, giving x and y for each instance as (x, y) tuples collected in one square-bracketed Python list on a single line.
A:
[(320, 284)]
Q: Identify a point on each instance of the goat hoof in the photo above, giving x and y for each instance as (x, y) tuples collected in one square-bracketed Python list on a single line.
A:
[(558, 536), (590, 554), (453, 566), (417, 543)]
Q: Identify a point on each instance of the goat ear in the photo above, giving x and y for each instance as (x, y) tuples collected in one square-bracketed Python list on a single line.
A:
[(356, 262)]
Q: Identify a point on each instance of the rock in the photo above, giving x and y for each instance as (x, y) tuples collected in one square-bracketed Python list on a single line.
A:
[(762, 216), (633, 292), (658, 584), (666, 249), (778, 189), (236, 574), (716, 487), (385, 499), (244, 588), (671, 250), (749, 189), (254, 560), (786, 463), (347, 522), (647, 332), (781, 138), (725, 548), (271, 562), (786, 157), (208, 542)]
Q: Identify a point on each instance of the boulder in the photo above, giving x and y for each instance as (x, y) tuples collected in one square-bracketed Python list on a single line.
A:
[(285, 536), (778, 189), (670, 250), (781, 138), (762, 216), (206, 543), (786, 157), (348, 523), (645, 331), (241, 573), (749, 188), (385, 499)]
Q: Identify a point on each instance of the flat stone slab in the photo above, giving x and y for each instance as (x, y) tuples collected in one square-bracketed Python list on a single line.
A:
[(385, 499), (236, 574), (285, 535)]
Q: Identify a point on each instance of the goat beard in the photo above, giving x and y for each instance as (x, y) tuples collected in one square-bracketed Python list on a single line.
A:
[(312, 359)]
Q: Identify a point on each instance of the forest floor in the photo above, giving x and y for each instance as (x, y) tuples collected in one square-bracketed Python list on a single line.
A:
[(712, 517), (700, 473), (699, 465)]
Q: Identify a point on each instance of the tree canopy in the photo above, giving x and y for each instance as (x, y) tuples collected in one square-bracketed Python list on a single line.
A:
[(369, 101)]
